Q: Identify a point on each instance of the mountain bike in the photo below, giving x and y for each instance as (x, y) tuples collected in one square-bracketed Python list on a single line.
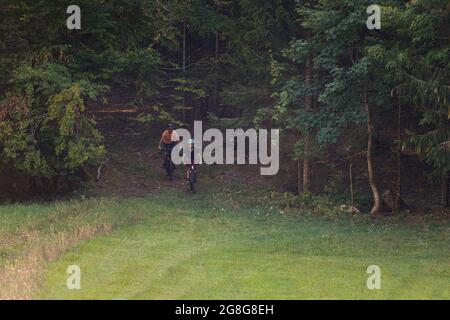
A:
[(168, 164), (192, 180)]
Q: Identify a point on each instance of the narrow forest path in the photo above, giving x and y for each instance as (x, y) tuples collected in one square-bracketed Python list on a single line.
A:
[(134, 164)]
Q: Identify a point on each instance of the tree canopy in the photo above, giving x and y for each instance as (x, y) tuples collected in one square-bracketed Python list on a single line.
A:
[(311, 68)]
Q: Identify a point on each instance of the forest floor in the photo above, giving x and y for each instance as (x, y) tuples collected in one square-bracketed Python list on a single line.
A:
[(135, 235)]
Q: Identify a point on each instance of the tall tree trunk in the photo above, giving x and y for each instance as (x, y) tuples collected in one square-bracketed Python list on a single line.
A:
[(445, 174), (376, 194), (398, 185), (308, 137), (445, 189), (352, 197), (307, 166), (184, 69), (299, 177), (216, 64)]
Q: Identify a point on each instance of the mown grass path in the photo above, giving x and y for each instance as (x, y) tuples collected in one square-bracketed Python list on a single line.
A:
[(191, 248)]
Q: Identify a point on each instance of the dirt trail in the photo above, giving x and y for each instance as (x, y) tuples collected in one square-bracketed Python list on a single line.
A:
[(133, 166)]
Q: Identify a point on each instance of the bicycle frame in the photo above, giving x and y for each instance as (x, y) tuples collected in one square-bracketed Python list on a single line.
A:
[(192, 178)]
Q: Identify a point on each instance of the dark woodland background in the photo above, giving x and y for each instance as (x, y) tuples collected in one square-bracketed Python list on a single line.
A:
[(364, 114)]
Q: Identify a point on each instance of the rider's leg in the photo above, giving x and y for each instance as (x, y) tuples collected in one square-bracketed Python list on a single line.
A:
[(169, 154), (164, 154), (164, 158)]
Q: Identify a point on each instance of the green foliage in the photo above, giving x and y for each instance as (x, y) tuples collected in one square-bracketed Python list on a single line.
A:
[(51, 74), (332, 41), (78, 142), (45, 131), (156, 113), (431, 147), (245, 59), (307, 203), (409, 58), (18, 143), (423, 62), (250, 32)]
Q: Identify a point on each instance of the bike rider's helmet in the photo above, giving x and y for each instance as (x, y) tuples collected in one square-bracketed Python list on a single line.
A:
[(191, 141), (170, 126)]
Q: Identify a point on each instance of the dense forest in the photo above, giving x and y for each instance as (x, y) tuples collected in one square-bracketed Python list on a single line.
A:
[(364, 114)]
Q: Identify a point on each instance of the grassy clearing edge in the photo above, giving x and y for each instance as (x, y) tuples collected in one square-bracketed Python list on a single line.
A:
[(61, 228)]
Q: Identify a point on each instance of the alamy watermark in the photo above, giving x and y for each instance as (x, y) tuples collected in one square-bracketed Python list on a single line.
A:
[(236, 147), (374, 280), (73, 281), (74, 20), (374, 20)]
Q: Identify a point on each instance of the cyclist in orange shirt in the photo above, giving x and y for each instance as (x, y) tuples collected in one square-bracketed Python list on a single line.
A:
[(169, 139)]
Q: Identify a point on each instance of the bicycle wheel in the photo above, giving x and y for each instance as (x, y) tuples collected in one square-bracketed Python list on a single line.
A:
[(168, 169), (192, 180), (192, 187)]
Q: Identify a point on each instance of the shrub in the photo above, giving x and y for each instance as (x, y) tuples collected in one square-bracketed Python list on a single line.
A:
[(44, 131), (307, 203)]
